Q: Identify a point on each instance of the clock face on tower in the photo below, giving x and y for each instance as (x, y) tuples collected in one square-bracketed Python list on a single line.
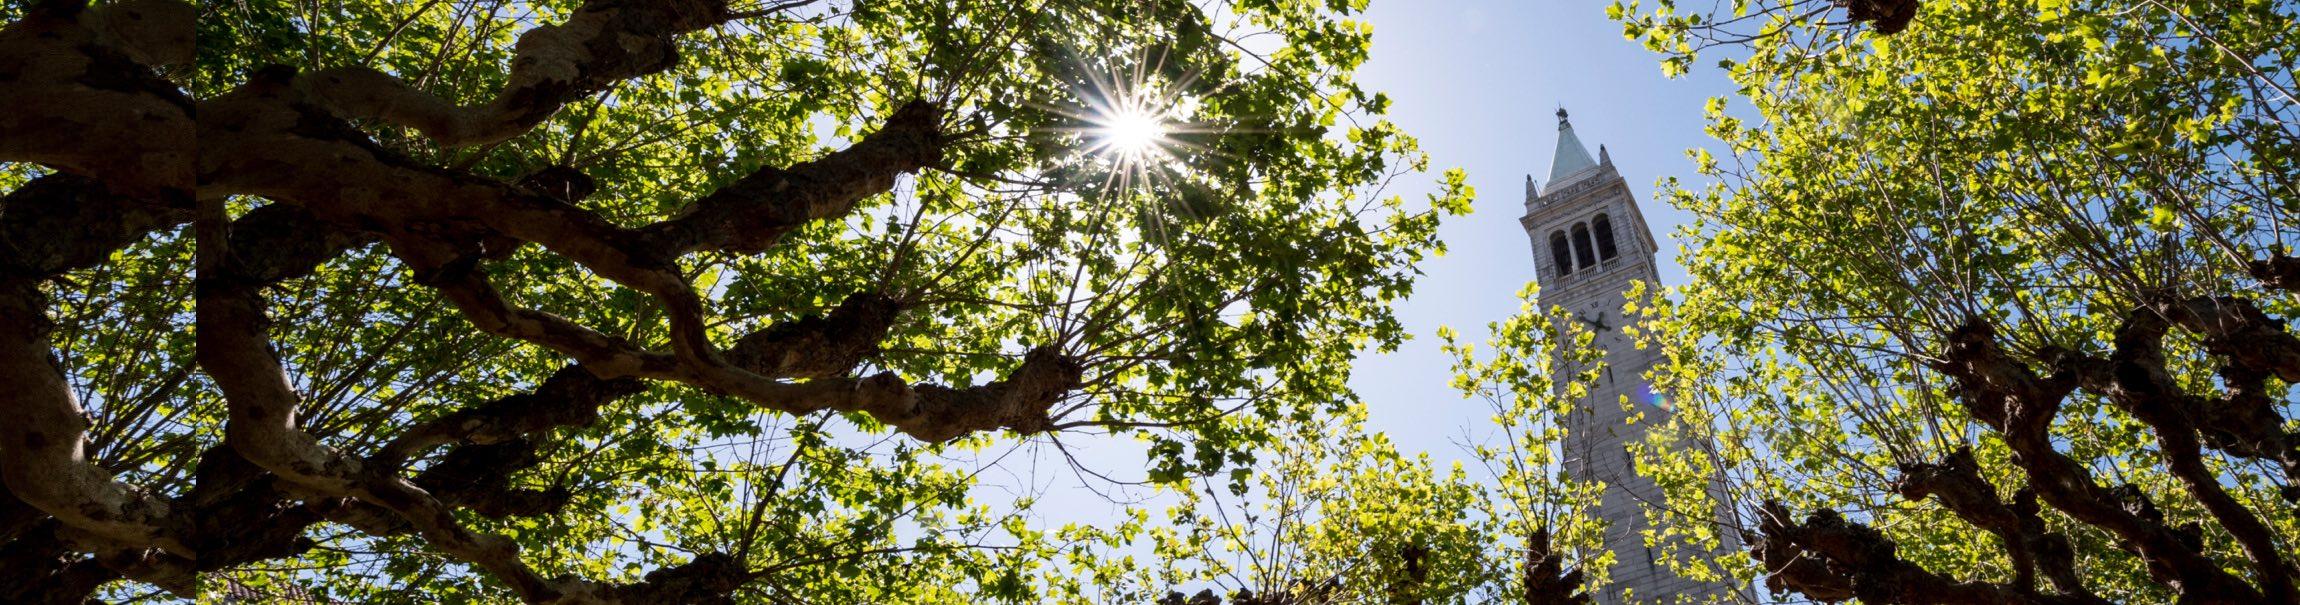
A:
[(1596, 321)]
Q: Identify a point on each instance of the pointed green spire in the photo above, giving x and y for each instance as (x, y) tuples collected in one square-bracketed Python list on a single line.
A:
[(1571, 156)]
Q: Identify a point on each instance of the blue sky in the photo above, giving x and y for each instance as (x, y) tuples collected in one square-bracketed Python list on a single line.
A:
[(1479, 82)]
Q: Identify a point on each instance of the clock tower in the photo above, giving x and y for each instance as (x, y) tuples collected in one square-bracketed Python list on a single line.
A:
[(1592, 244)]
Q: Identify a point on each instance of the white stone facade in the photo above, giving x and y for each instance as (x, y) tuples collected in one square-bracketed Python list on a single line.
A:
[(1591, 280)]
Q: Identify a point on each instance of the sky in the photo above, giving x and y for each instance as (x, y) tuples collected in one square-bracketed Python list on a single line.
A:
[(1478, 82)]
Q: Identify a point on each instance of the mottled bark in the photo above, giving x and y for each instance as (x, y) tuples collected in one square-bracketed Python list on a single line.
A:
[(603, 42), (819, 347), (52, 225), (1547, 580), (753, 213), (1885, 16), (1830, 559), (571, 397), (82, 96), (264, 133), (83, 100)]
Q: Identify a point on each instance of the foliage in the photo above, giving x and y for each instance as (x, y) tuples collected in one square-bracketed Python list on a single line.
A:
[(659, 315), (1333, 514), (1539, 369), (1911, 224)]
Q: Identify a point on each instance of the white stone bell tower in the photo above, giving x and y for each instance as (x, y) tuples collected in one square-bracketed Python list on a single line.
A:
[(1592, 244)]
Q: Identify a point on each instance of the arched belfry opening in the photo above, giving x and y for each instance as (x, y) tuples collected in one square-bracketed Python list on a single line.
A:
[(1560, 253), (1604, 228), (1581, 248)]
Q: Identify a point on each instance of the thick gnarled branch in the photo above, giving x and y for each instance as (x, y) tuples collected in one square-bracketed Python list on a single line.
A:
[(1547, 580), (570, 397), (1956, 483), (2136, 379), (82, 96), (291, 139), (753, 213), (83, 99), (45, 441), (604, 42), (1830, 559), (265, 130), (2019, 405)]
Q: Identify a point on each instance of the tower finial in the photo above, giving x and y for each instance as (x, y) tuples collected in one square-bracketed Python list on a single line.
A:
[(1561, 114)]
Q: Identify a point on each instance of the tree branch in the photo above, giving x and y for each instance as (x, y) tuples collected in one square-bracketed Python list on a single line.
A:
[(45, 440), (2019, 406), (604, 42), (1956, 483), (82, 96), (752, 214), (1830, 559), (1547, 581), (2135, 378)]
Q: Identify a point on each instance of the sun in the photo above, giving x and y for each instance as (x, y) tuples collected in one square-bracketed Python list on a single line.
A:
[(1132, 132), (1133, 123)]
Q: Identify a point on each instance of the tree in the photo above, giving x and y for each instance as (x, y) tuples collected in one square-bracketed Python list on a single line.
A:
[(1335, 515), (2020, 268), (1331, 514), (1549, 548), (689, 301)]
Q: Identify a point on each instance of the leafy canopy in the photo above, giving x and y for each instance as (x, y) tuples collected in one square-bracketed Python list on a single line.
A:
[(574, 301)]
